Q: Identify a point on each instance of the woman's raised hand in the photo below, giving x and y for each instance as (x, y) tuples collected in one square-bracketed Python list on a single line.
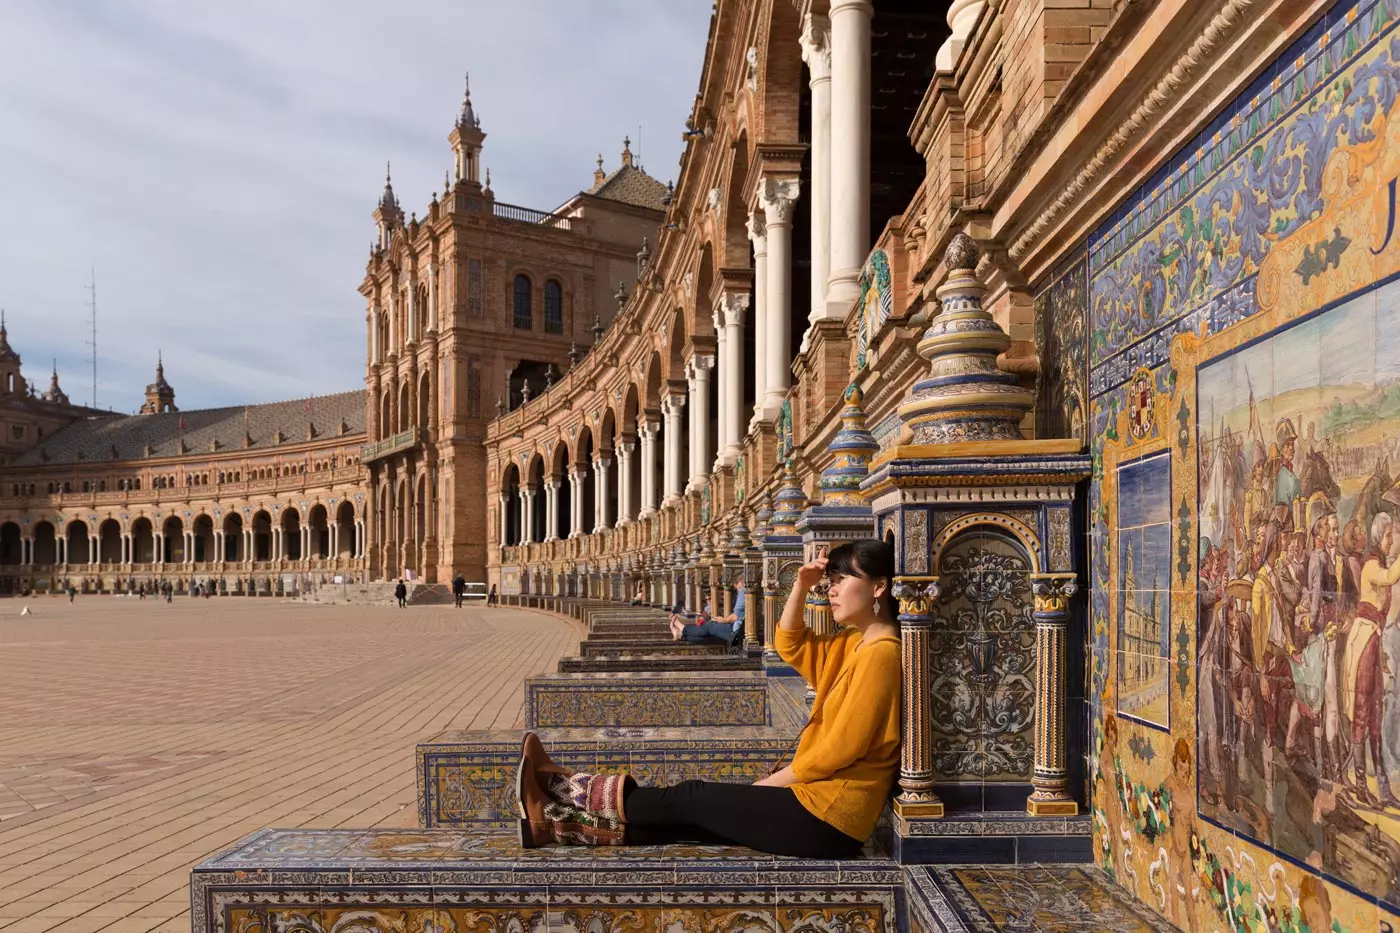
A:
[(811, 573)]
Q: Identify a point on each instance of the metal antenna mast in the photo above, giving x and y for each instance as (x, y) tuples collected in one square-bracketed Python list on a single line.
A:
[(92, 320)]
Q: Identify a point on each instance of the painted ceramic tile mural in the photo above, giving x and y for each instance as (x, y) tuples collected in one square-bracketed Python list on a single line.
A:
[(1245, 334), (1144, 588)]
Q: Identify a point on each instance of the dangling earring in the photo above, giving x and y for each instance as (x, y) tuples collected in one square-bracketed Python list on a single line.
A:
[(877, 606)]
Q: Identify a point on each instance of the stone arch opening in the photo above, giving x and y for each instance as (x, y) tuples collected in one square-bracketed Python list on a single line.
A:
[(203, 536), (173, 540), (77, 547), (233, 538), (510, 505), (143, 541), (11, 548), (319, 530), (345, 529), (262, 535), (109, 542), (45, 544)]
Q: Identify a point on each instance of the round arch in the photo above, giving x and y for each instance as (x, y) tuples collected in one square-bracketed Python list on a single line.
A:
[(143, 541)]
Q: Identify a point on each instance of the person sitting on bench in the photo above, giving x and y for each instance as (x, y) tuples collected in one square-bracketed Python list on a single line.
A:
[(824, 804), (727, 629)]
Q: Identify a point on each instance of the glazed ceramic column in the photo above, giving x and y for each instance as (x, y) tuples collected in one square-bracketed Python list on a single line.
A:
[(850, 148), (600, 494), (1050, 777), (916, 798), (758, 233), (551, 509), (673, 409), (698, 376), (779, 198), (731, 373), (816, 52), (648, 429), (626, 508)]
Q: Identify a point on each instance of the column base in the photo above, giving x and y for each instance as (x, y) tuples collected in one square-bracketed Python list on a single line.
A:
[(922, 807), (1051, 804), (645, 514)]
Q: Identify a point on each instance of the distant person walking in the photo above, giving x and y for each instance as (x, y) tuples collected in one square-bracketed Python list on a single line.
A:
[(401, 594), (459, 589), (491, 597), (72, 592)]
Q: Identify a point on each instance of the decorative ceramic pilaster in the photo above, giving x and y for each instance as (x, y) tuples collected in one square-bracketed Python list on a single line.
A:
[(698, 377), (779, 199), (649, 430), (966, 395), (816, 52), (1053, 592), (916, 798), (850, 148), (758, 233), (673, 410)]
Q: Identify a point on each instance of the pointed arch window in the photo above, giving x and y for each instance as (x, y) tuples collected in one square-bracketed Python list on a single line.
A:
[(523, 311), (553, 307)]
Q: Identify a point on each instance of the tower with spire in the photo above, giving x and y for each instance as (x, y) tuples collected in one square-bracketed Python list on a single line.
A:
[(160, 397), (11, 382), (387, 214), (55, 392), (466, 139)]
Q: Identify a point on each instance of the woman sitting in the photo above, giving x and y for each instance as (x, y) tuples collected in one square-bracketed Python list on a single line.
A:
[(823, 805)]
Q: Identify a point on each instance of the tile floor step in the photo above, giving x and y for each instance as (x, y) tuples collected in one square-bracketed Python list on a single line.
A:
[(720, 698), (467, 779), (650, 646), (447, 879), (655, 663)]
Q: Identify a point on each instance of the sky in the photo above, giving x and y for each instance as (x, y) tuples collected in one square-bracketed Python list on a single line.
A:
[(217, 165)]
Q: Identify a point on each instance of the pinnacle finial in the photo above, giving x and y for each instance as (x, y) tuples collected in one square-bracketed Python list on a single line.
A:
[(962, 253), (387, 179)]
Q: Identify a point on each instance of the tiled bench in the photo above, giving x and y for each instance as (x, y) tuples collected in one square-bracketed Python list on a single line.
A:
[(655, 663), (467, 779), (644, 699), (446, 880), (590, 647)]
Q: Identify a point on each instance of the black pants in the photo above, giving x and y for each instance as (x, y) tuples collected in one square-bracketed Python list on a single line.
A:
[(769, 819)]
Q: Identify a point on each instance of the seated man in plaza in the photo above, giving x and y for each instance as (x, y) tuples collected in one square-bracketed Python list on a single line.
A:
[(824, 804), (726, 629)]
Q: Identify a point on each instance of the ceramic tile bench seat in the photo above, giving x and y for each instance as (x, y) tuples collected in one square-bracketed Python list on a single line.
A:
[(681, 663), (721, 698), (590, 647), (331, 879)]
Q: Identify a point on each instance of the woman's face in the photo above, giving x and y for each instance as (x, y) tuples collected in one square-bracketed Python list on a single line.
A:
[(853, 598)]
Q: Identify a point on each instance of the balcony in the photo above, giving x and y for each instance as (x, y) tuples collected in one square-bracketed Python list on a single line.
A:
[(529, 215), (391, 445)]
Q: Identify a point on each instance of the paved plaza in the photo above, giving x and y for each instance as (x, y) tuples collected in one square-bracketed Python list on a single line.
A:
[(137, 737)]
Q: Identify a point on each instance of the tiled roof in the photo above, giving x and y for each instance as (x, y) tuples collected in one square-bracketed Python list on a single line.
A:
[(129, 437), (631, 185)]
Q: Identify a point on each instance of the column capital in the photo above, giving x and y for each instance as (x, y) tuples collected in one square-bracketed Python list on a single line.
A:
[(816, 46), (578, 474), (553, 484), (1053, 591), (757, 226), (916, 596), (602, 462), (698, 364), (624, 449), (779, 199), (732, 308), (648, 429), (672, 404)]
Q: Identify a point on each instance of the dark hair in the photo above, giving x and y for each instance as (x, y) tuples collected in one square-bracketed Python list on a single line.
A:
[(869, 559)]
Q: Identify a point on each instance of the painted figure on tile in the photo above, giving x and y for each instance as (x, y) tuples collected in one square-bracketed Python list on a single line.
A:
[(1180, 791), (1308, 606), (1109, 796)]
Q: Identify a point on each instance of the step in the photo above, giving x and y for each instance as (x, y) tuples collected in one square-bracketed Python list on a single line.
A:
[(660, 662), (994, 837), (467, 779), (737, 698), (334, 879)]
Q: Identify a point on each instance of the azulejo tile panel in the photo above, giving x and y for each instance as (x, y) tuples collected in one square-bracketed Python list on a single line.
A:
[(1253, 281), (643, 699)]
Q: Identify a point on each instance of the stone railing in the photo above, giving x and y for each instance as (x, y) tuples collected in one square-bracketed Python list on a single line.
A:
[(529, 215), (391, 445), (298, 482)]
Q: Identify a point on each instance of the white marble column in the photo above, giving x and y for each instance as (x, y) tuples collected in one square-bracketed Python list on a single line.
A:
[(816, 52), (698, 377), (731, 373), (850, 148), (92, 550), (520, 524), (648, 430), (412, 328), (528, 537), (758, 233), (551, 509), (779, 198), (600, 494), (673, 410), (577, 478), (158, 539), (626, 508), (504, 500), (722, 374)]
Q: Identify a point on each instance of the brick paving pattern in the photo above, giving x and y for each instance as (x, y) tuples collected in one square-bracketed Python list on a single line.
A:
[(136, 738)]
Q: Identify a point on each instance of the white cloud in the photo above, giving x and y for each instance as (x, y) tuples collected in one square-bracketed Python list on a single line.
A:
[(218, 163)]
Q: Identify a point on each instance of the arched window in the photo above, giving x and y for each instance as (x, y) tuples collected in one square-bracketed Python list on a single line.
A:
[(553, 307), (522, 303)]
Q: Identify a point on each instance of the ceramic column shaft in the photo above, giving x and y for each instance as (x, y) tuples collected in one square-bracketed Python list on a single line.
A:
[(916, 597), (1049, 775)]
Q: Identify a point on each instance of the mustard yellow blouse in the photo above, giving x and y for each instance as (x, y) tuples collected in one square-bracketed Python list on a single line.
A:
[(848, 756)]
